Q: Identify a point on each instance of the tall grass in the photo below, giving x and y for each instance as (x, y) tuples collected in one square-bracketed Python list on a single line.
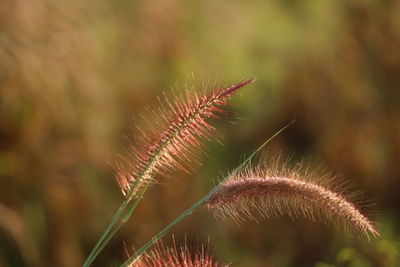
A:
[(179, 131)]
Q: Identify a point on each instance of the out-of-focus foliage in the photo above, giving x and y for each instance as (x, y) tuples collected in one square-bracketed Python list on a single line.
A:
[(73, 73)]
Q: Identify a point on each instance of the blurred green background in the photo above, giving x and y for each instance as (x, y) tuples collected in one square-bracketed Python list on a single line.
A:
[(74, 73)]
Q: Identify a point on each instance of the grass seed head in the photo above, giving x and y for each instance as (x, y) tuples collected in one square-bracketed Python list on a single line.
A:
[(163, 256), (178, 129), (274, 189)]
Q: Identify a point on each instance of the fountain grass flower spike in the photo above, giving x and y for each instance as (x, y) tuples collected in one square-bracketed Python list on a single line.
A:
[(162, 256), (274, 189), (179, 129)]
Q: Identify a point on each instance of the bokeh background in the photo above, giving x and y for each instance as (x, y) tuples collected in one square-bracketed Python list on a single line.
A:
[(74, 73)]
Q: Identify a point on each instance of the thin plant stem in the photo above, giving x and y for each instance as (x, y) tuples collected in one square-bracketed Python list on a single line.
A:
[(125, 217), (190, 210), (111, 230), (117, 215)]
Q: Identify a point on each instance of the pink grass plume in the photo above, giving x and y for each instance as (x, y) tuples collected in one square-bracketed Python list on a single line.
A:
[(179, 128), (273, 191)]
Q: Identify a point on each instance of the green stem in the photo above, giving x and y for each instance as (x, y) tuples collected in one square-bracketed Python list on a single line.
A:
[(190, 210), (111, 230), (93, 254), (123, 220)]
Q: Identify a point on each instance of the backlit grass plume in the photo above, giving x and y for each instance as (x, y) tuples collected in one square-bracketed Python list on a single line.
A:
[(177, 131), (275, 190), (162, 256)]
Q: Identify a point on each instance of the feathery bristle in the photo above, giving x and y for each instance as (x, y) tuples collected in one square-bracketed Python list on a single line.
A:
[(173, 257), (292, 191), (178, 131)]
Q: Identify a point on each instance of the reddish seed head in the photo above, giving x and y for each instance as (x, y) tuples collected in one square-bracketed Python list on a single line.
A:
[(179, 129), (286, 191), (232, 89), (173, 257)]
